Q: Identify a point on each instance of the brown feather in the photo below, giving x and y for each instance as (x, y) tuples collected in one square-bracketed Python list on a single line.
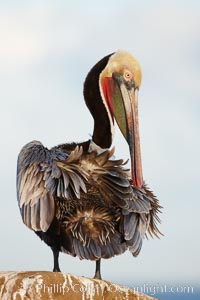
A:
[(91, 199)]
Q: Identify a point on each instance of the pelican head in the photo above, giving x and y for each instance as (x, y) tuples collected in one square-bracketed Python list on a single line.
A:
[(118, 77)]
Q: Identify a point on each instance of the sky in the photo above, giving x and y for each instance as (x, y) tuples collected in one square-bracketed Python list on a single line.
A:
[(46, 50)]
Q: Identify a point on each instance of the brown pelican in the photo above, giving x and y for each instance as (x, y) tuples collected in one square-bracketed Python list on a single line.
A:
[(76, 197)]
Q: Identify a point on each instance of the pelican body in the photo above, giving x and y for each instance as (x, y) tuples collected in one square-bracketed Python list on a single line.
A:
[(76, 197)]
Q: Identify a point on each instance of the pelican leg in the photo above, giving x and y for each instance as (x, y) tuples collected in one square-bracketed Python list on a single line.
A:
[(56, 267), (97, 274)]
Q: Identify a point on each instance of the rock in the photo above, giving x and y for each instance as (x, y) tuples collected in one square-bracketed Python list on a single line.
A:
[(48, 286)]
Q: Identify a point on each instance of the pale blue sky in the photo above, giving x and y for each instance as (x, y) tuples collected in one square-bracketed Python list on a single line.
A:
[(46, 50)]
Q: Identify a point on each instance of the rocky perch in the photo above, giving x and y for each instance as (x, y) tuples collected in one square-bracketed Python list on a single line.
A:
[(48, 286)]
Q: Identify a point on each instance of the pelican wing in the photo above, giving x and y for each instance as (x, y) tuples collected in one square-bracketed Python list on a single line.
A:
[(42, 177), (139, 207), (110, 177)]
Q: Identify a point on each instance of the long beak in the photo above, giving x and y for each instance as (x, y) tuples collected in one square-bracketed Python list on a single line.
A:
[(126, 116)]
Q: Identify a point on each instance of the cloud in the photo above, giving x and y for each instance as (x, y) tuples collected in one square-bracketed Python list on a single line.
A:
[(32, 34)]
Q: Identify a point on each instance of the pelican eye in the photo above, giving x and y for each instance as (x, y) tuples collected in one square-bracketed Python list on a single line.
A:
[(128, 76)]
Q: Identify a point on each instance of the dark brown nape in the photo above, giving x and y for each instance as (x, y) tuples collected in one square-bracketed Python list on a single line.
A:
[(102, 128)]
